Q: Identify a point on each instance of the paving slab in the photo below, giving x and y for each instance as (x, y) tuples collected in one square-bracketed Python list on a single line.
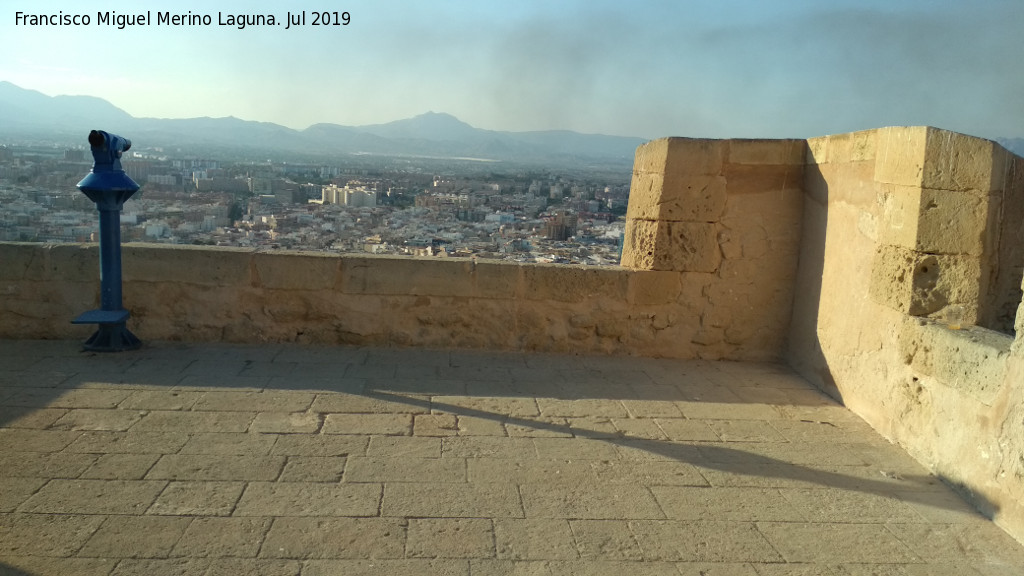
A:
[(135, 537), (62, 496), (289, 460), (303, 538)]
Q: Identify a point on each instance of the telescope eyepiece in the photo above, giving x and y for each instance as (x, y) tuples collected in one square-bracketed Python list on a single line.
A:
[(96, 139)]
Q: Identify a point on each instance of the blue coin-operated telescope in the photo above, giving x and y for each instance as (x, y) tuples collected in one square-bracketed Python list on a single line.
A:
[(109, 187)]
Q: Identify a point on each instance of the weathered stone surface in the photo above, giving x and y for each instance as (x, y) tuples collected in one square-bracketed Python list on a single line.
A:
[(216, 537), (93, 497), (681, 156), (313, 469), (843, 148), (972, 360), (422, 566), (416, 277), (285, 422), (703, 541), (450, 538), (120, 466), (728, 504), (197, 498), (43, 565), (767, 152), (385, 424), (135, 537), (937, 221), (309, 499), (901, 155), (157, 421), (597, 503), (371, 538), (574, 283), (534, 539), (295, 270), (755, 179), (425, 499), (45, 534), (216, 467), (14, 491), (842, 542), (165, 442), (612, 498), (159, 263), (373, 469), (677, 246), (955, 161), (229, 443), (921, 284), (694, 198)]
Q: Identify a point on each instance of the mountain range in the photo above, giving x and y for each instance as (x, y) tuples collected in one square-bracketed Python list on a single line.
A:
[(30, 113)]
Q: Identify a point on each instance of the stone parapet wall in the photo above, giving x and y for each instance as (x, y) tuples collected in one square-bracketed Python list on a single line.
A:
[(724, 215), (908, 283), (242, 295)]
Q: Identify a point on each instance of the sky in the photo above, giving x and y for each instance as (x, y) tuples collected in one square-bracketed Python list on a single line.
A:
[(645, 68)]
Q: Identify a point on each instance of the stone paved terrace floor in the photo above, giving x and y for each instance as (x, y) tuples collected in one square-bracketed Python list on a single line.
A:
[(287, 460)]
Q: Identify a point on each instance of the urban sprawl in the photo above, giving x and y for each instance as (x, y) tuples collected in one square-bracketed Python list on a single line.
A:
[(392, 206)]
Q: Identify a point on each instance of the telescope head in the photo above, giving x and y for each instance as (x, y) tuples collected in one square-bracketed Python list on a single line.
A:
[(107, 149)]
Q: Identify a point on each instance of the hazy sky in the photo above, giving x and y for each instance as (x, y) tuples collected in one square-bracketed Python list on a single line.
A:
[(714, 68)]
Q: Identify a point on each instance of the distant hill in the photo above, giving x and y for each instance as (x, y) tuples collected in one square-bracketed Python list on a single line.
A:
[(432, 134), (22, 109)]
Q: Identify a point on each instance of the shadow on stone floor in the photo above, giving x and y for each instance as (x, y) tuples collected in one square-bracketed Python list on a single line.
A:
[(30, 386)]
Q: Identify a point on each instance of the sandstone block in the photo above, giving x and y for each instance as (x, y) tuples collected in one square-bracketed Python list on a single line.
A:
[(602, 502), (757, 178), (335, 538), (374, 469), (135, 537), (605, 540), (197, 499), (216, 467), (313, 469), (900, 208), (679, 246), (309, 499), (46, 534), (764, 151), (678, 156), (69, 262), (450, 538), (534, 539), (971, 361), (921, 284), (94, 497), (496, 279), (901, 155), (951, 222), (842, 148), (696, 197), (418, 277), (177, 264), (955, 161), (425, 500), (218, 537), (563, 283), (296, 270), (654, 288)]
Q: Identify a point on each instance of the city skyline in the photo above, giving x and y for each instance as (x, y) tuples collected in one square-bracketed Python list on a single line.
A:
[(736, 68)]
